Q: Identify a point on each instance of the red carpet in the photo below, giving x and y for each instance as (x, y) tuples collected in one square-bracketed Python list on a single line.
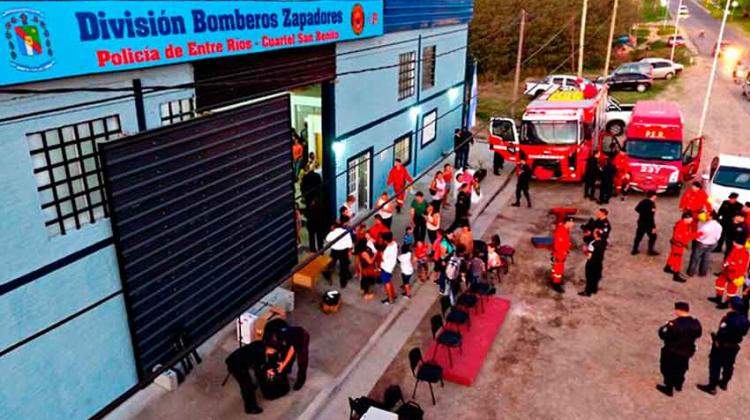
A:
[(476, 343)]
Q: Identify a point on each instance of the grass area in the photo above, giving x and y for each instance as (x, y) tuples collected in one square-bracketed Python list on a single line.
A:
[(495, 101), (735, 20), (642, 32), (630, 97), (652, 11), (666, 31)]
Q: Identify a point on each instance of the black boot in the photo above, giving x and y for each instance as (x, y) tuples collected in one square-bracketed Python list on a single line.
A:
[(528, 204), (678, 278), (558, 288), (634, 252), (299, 383), (516, 204), (253, 410), (666, 390), (652, 253), (668, 269), (708, 389), (715, 299)]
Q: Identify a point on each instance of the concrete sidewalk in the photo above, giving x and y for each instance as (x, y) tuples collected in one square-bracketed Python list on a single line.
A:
[(349, 350)]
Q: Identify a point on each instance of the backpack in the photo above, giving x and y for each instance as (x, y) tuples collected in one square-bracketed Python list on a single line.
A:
[(453, 268)]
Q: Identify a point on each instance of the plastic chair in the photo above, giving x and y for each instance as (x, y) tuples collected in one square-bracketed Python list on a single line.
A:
[(452, 315), (424, 372), (443, 337), (392, 396)]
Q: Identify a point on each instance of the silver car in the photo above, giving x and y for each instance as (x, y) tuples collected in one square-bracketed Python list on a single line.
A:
[(664, 68)]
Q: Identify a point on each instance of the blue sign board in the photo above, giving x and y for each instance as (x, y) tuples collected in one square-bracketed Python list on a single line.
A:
[(46, 40)]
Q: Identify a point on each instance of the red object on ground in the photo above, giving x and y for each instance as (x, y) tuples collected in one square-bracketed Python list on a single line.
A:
[(562, 212), (476, 343)]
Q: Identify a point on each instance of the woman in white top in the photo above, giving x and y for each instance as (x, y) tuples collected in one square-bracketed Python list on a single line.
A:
[(437, 190), (433, 222), (406, 263)]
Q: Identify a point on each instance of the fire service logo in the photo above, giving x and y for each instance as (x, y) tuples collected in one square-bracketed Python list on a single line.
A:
[(358, 19), (29, 43)]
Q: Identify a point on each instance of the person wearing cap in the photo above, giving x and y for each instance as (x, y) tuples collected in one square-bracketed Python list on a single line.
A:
[(646, 210), (709, 232), (561, 246), (738, 231), (523, 178), (682, 235), (594, 251), (695, 200), (679, 336), (293, 343), (732, 275), (726, 344), (728, 209)]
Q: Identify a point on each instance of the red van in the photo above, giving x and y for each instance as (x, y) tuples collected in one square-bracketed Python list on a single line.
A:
[(654, 145)]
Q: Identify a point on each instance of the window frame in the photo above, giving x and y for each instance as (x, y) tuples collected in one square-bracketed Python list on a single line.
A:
[(428, 67), (182, 114), (87, 202), (407, 75), (422, 142), (400, 139)]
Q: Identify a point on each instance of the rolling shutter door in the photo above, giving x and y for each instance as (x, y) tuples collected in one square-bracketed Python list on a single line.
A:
[(203, 222)]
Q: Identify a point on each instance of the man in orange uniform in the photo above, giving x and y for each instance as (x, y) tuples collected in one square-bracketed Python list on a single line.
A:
[(622, 177), (560, 249), (732, 275), (398, 178), (695, 200), (682, 234)]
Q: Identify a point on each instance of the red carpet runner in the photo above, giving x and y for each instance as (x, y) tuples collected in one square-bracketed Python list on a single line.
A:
[(476, 343)]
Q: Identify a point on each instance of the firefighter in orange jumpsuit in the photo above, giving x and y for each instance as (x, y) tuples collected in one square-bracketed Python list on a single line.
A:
[(732, 275), (622, 177), (398, 178), (561, 246), (695, 200), (682, 234)]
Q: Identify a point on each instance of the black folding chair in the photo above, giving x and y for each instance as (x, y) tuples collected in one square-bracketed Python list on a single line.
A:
[(443, 337), (424, 371), (454, 315), (392, 396)]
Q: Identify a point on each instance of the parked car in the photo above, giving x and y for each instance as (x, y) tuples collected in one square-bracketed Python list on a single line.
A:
[(535, 88), (664, 68), (636, 67), (676, 40), (684, 12), (728, 174), (618, 116), (631, 76)]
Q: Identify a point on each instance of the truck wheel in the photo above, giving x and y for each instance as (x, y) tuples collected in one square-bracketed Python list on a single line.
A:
[(615, 128), (641, 88), (669, 76)]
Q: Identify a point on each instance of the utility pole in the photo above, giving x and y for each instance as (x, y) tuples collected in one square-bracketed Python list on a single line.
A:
[(611, 38), (581, 38), (517, 77), (676, 26), (666, 14), (713, 70)]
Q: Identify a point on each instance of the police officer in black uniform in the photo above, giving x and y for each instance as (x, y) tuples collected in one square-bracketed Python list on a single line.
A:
[(601, 222), (607, 182), (522, 183), (737, 232), (728, 209), (239, 363), (593, 173), (679, 337), (646, 210), (726, 344), (594, 262), (280, 334)]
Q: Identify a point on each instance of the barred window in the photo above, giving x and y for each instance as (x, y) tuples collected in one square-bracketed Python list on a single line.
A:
[(68, 172), (429, 127), (406, 74), (402, 149), (176, 111), (428, 67)]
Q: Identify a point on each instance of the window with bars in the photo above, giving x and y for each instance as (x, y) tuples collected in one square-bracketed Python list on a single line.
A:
[(402, 149), (176, 111), (68, 172), (406, 74), (429, 127), (428, 67)]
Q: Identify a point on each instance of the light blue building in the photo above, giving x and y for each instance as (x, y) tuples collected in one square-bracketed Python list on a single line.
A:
[(410, 108)]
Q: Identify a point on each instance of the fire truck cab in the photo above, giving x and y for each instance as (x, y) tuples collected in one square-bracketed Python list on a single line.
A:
[(654, 145), (558, 131)]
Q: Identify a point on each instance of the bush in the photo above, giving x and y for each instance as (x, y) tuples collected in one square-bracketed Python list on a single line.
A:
[(658, 44), (642, 32), (667, 30), (640, 40)]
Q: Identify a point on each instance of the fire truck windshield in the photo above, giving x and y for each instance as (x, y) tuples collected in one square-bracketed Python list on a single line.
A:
[(549, 132), (653, 149)]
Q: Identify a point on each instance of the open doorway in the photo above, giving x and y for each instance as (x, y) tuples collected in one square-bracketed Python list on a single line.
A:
[(307, 123)]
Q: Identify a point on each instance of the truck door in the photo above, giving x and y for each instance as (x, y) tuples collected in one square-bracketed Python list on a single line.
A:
[(691, 158), (504, 138)]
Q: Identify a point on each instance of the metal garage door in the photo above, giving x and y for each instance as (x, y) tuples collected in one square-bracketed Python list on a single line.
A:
[(203, 221)]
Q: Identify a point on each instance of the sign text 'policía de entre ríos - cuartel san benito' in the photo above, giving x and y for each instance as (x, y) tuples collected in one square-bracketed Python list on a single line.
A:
[(48, 40)]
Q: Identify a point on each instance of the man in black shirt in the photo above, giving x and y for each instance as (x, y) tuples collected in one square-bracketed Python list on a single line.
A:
[(737, 232), (293, 342), (239, 363), (726, 344), (463, 205), (646, 210), (462, 143), (607, 182), (679, 337), (593, 173), (594, 262), (728, 209), (601, 222), (522, 183)]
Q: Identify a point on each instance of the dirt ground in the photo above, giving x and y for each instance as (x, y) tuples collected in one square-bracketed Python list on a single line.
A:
[(571, 357)]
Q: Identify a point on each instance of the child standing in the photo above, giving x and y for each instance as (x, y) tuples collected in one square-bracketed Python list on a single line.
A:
[(406, 262), (421, 249), (409, 236)]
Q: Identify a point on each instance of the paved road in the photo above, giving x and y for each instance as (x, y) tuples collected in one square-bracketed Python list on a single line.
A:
[(701, 19)]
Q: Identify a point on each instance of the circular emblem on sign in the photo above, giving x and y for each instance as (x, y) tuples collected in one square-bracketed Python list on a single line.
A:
[(28, 38), (358, 19)]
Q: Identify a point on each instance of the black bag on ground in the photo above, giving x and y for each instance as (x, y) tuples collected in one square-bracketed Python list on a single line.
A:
[(410, 411)]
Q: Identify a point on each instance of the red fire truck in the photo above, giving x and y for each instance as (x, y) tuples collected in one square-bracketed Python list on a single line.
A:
[(654, 145), (558, 132)]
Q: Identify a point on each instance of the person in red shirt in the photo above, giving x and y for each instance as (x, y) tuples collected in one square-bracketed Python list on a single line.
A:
[(377, 230), (398, 177), (448, 178), (695, 200), (622, 177), (297, 157), (732, 275), (561, 246), (682, 235)]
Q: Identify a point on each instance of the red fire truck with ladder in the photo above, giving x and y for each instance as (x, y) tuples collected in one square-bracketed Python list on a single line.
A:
[(558, 131)]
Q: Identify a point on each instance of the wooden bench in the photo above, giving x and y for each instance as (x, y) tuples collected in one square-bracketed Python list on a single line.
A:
[(308, 275)]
